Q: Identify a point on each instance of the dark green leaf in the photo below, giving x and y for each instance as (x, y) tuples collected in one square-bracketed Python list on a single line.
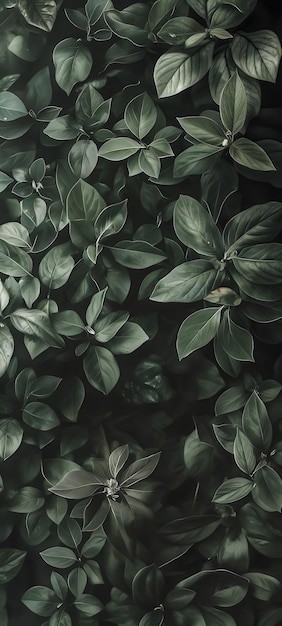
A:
[(73, 62), (35, 323), (232, 490), (56, 266), (251, 155), (140, 115), (83, 158), (257, 224), (77, 581), (195, 227), (119, 148), (148, 587), (139, 470), (101, 369), (77, 484), (257, 54), (137, 254), (188, 282), (267, 491), (237, 342), (11, 107), (6, 348), (88, 605), (233, 104), (263, 586), (40, 13), (196, 160), (40, 416), (11, 434), (244, 454), (260, 264), (41, 600), (10, 563), (176, 71), (197, 331), (203, 129)]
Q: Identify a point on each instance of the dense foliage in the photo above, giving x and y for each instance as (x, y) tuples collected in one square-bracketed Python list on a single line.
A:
[(141, 308)]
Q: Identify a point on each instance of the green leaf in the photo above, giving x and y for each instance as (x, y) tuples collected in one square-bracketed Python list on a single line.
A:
[(196, 160), (233, 104), (40, 600), (56, 509), (108, 325), (217, 185), (251, 155), (77, 484), (6, 348), (111, 220), (73, 63), (36, 324), (5, 181), (30, 289), (11, 107), (178, 29), (14, 261), (94, 9), (140, 115), (68, 323), (234, 552), (71, 398), (197, 331), (257, 224), (130, 337), (197, 455), (56, 266), (88, 605), (95, 306), (27, 500), (11, 562), (59, 557), (244, 454), (38, 91), (62, 128), (149, 162), (40, 416), (40, 13), (83, 158), (187, 282), (139, 470), (268, 489), (69, 532), (101, 369), (257, 54), (148, 586), (256, 423), (119, 148), (195, 227), (77, 581), (176, 71), (231, 400), (263, 586), (203, 129), (11, 434), (84, 202), (260, 264), (136, 254), (130, 23), (236, 341), (232, 490), (117, 459), (225, 434), (217, 587)]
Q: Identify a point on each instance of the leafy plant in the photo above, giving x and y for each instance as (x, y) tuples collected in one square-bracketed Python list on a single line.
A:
[(140, 304)]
